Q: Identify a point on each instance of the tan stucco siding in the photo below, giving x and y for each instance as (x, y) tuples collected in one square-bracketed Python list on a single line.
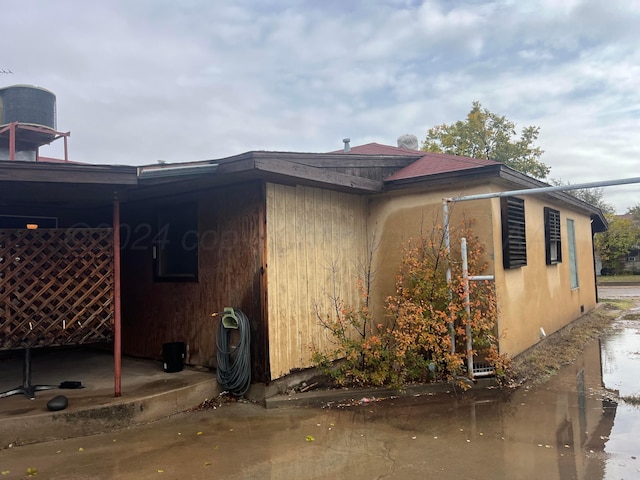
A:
[(530, 297), (316, 244), (396, 218), (539, 295)]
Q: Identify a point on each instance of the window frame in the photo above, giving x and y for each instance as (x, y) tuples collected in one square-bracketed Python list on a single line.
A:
[(181, 241), (573, 254), (514, 232), (552, 235)]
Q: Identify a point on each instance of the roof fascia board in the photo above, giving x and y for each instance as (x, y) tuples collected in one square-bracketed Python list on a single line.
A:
[(523, 180), (290, 169), (445, 178), (14, 171), (338, 160)]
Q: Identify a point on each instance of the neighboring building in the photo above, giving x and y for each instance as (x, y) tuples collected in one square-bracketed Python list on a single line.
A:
[(276, 233)]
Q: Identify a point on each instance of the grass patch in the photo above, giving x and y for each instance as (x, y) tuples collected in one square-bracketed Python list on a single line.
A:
[(616, 303), (604, 279), (543, 360)]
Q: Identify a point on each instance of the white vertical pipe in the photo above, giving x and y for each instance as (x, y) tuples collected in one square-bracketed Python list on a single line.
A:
[(447, 244), (467, 307)]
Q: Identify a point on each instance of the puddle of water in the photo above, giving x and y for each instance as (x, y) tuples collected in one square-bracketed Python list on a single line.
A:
[(621, 358), (620, 372), (567, 428)]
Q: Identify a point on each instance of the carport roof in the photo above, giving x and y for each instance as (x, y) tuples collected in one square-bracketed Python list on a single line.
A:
[(63, 184)]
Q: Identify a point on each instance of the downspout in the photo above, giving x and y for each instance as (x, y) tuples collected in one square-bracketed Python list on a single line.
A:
[(117, 346)]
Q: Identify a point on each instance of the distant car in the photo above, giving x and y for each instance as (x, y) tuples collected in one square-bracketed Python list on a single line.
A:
[(606, 271)]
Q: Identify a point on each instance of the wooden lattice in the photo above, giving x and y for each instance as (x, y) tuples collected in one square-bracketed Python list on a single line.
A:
[(56, 287)]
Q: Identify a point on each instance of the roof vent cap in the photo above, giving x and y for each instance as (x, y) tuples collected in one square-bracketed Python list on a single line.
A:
[(408, 141)]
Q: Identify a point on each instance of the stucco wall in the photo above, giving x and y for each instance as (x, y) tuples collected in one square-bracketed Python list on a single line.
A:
[(539, 295), (396, 218), (316, 245), (530, 297)]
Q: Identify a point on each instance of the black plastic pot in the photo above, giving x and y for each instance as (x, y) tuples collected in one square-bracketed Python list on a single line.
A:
[(173, 356)]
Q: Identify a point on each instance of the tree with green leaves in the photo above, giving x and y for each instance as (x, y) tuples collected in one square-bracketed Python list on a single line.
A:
[(484, 134), (634, 213), (614, 245)]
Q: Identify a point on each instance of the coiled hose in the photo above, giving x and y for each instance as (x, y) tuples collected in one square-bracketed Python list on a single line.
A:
[(234, 362)]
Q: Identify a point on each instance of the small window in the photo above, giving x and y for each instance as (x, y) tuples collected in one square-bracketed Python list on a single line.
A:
[(175, 248), (514, 239), (573, 258), (552, 242)]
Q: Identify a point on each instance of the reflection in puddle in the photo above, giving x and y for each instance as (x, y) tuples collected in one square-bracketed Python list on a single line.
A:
[(567, 428), (621, 358), (620, 372)]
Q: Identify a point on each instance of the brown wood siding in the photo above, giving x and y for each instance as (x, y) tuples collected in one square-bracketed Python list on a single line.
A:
[(316, 244), (230, 266)]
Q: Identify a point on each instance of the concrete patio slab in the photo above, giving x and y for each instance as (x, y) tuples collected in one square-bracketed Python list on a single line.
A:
[(148, 394)]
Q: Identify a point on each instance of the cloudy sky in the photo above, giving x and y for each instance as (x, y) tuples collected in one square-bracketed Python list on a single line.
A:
[(138, 81)]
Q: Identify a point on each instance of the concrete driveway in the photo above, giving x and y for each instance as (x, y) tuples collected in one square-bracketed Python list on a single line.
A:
[(618, 291)]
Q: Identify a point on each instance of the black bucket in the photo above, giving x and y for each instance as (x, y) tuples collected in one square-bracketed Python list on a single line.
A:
[(173, 356)]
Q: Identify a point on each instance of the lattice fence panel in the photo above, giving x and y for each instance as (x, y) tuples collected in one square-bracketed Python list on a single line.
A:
[(56, 287)]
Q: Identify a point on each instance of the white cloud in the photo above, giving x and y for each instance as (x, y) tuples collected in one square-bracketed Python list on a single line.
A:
[(138, 81)]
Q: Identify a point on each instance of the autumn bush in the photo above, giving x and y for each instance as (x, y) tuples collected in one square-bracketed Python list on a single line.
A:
[(414, 343)]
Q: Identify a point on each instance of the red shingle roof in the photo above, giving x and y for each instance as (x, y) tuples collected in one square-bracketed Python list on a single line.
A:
[(429, 163), (378, 149), (433, 163)]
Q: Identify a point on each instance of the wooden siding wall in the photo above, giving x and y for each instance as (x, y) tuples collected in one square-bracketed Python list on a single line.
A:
[(230, 265), (316, 245)]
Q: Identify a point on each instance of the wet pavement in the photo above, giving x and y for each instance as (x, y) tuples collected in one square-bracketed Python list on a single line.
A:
[(570, 427)]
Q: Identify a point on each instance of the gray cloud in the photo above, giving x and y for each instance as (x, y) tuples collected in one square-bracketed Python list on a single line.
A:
[(138, 81)]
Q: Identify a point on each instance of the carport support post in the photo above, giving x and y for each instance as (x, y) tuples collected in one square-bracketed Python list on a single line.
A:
[(117, 347)]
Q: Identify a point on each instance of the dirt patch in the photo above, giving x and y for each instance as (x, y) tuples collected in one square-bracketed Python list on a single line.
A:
[(317, 382), (217, 402), (543, 360)]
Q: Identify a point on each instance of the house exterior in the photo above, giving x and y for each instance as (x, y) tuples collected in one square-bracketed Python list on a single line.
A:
[(279, 234), (533, 293)]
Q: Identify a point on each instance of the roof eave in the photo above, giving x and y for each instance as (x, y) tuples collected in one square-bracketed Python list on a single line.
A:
[(18, 171)]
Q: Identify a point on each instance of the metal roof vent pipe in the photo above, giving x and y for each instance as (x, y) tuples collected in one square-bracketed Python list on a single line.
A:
[(347, 146), (410, 142)]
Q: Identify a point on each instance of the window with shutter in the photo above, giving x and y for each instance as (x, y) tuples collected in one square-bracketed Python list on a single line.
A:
[(514, 238), (552, 241)]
